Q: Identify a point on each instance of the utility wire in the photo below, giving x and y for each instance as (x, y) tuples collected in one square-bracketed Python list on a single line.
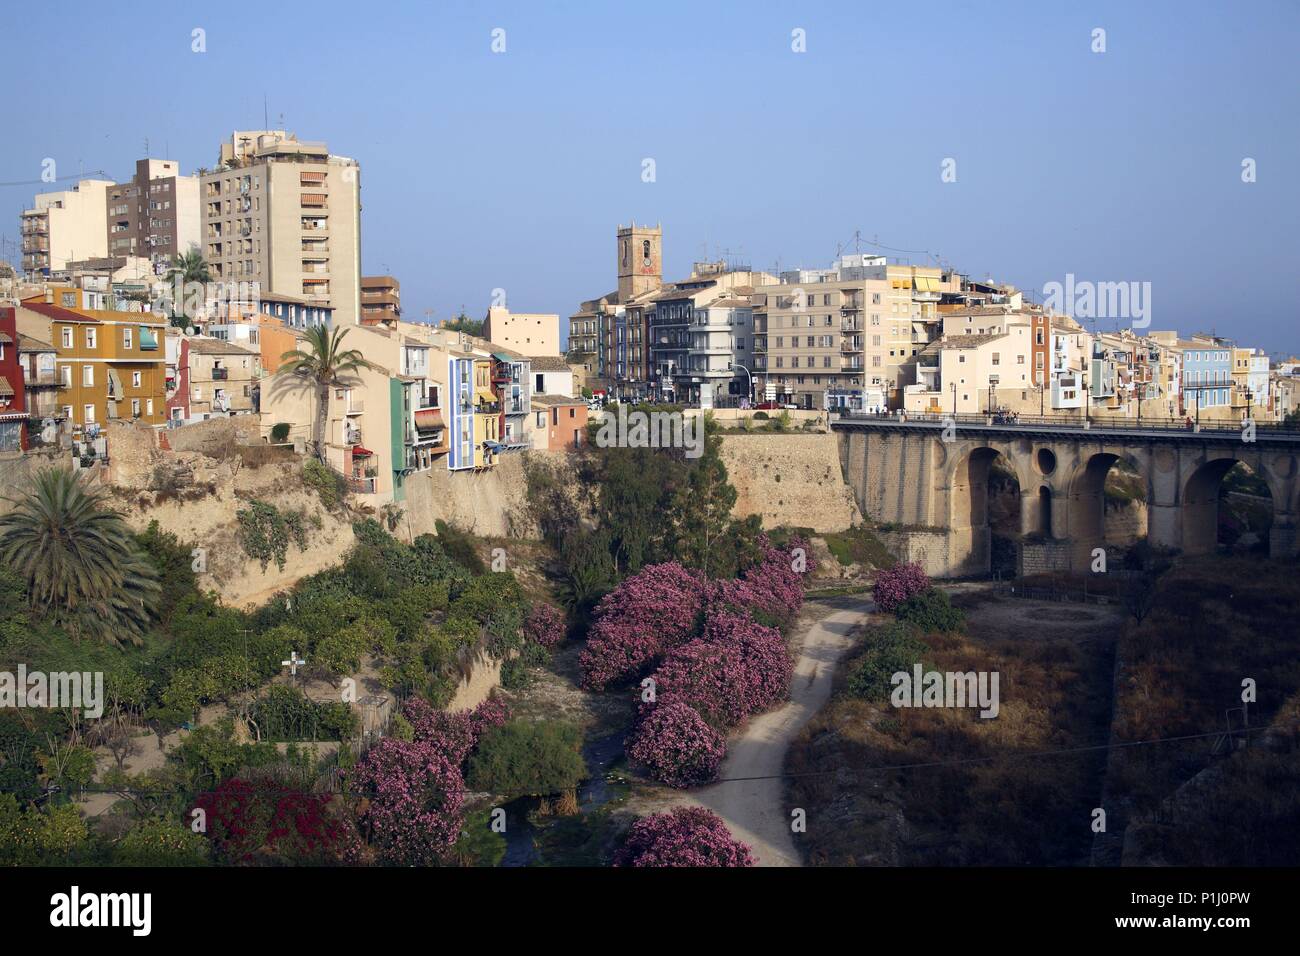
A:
[(928, 764)]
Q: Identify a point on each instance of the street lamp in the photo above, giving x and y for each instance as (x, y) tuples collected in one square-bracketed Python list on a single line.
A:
[(750, 378)]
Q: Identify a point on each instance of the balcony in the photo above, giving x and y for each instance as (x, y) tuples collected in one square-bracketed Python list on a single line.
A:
[(355, 406), (849, 347), (351, 434), (220, 374), (361, 486)]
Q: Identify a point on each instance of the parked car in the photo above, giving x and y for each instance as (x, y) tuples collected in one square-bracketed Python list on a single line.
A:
[(767, 406)]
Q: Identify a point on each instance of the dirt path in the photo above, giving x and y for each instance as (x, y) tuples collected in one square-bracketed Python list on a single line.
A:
[(755, 809)]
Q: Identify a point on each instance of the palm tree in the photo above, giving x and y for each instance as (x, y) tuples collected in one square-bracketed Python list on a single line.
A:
[(190, 266), (82, 567), (325, 364)]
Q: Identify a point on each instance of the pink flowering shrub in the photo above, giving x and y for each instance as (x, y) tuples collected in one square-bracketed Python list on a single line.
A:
[(653, 610), (676, 745), (770, 589), (415, 808), (895, 585), (544, 625), (453, 735), (738, 668), (687, 836), (710, 677), (765, 661)]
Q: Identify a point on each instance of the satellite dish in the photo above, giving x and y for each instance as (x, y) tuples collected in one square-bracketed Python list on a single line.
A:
[(189, 330)]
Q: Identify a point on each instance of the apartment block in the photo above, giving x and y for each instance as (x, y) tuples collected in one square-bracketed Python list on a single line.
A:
[(111, 364), (285, 214), (154, 216), (65, 225), (381, 300), (528, 333), (210, 377)]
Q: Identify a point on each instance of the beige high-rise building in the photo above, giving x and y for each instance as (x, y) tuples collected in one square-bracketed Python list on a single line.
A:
[(860, 332), (65, 225), (286, 214)]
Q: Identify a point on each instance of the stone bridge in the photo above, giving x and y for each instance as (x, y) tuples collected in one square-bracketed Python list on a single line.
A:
[(931, 478)]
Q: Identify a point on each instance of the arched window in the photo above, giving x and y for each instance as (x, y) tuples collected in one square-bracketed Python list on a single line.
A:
[(645, 249)]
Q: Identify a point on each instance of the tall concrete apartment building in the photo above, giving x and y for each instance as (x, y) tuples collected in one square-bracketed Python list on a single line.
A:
[(154, 216), (286, 214), (64, 226), (381, 300)]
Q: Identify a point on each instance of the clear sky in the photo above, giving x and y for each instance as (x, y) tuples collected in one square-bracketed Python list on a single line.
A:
[(511, 170)]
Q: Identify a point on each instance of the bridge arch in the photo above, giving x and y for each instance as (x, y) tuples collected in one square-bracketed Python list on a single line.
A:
[(1086, 517), (1201, 495)]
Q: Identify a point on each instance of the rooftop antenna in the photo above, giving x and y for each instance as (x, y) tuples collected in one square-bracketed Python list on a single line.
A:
[(266, 122)]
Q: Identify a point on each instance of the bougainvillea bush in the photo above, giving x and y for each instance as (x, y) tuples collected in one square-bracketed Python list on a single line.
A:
[(544, 625), (415, 806), (252, 821), (895, 585), (676, 745), (650, 612), (687, 836)]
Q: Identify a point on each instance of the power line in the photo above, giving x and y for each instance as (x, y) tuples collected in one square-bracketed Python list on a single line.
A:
[(928, 764), (40, 182)]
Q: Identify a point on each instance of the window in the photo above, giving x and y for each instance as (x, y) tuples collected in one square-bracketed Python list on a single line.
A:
[(69, 300), (88, 375), (88, 412), (148, 406), (67, 412), (126, 338), (135, 408), (541, 419), (90, 338), (65, 372), (67, 337), (135, 379)]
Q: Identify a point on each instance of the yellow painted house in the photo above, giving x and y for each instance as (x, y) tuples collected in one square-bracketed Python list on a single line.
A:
[(111, 365)]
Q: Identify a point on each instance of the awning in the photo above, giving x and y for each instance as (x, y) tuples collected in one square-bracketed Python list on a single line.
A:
[(428, 419), (359, 452), (927, 284), (485, 394), (5, 339), (116, 391), (6, 390), (148, 339)]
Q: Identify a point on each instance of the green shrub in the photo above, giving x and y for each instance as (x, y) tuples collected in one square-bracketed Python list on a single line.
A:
[(157, 842), (887, 650), (459, 546), (527, 757), (279, 433), (330, 487), (930, 611), (515, 674)]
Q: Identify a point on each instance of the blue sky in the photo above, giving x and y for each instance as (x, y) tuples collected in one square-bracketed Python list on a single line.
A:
[(511, 170)]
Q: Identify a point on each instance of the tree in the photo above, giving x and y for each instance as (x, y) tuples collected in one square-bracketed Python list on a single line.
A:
[(79, 560), (703, 508), (323, 365), (189, 267)]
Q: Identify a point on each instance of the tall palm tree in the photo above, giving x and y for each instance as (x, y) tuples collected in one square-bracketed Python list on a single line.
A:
[(324, 364), (82, 567)]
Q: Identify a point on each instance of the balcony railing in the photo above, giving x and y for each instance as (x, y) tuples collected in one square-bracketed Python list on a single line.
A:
[(220, 374), (361, 486)]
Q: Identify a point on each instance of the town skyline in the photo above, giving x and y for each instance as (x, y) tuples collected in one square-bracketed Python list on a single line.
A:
[(499, 190)]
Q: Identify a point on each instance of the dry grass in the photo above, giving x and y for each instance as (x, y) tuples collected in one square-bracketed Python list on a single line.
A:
[(1002, 806)]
